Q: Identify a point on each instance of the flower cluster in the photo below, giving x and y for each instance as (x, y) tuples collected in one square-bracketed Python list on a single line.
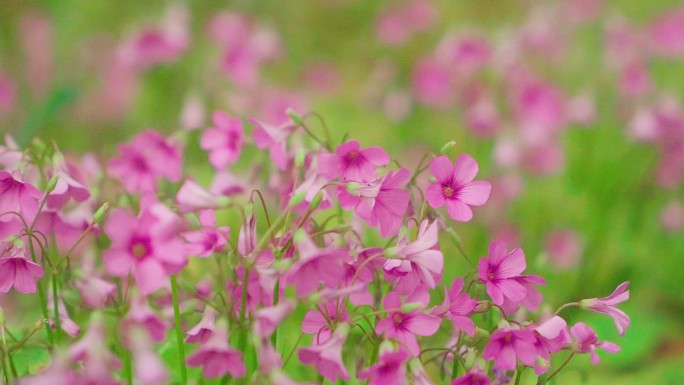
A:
[(333, 242)]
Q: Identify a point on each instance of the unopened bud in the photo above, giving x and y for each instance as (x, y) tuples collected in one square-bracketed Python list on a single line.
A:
[(52, 184), (316, 201), (297, 198), (99, 214), (448, 146), (294, 116), (411, 307), (300, 158)]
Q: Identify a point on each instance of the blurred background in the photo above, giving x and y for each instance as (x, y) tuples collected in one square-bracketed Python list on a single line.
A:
[(572, 108)]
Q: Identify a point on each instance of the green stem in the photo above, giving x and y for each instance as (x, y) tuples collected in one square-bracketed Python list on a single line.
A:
[(179, 331), (41, 295), (55, 307)]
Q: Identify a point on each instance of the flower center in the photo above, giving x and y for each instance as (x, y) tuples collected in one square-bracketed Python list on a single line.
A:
[(140, 248), (397, 318), (353, 155), (448, 191)]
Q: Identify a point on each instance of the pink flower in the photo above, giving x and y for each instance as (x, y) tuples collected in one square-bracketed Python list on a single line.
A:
[(351, 163), (500, 270), (146, 247), (382, 203), (608, 306), (508, 344), (217, 357), (148, 158), (192, 197), (17, 195), (586, 341), (315, 266), (268, 318), (17, 271), (455, 187), (457, 306), (224, 140), (550, 336), (204, 329), (327, 357), (275, 139), (390, 369), (473, 377), (316, 323), (209, 239), (419, 258), (404, 326)]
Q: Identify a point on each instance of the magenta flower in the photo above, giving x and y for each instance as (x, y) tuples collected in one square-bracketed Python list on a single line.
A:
[(500, 270), (457, 307), (17, 271), (148, 158), (473, 377), (390, 369), (224, 140), (327, 357), (608, 306), (455, 187), (146, 247), (351, 163), (382, 203), (404, 326), (507, 345), (586, 341), (217, 358)]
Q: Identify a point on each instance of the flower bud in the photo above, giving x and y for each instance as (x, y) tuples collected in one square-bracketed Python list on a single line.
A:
[(294, 116), (448, 146), (99, 214), (297, 198), (52, 184), (411, 307)]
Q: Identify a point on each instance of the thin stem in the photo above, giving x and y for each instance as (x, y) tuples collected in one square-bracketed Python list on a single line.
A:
[(565, 363), (55, 307), (179, 331)]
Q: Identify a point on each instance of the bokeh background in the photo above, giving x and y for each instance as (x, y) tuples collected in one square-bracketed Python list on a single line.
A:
[(572, 108)]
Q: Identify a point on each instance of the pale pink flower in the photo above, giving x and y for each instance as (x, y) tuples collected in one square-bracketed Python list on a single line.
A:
[(275, 139), (404, 326), (421, 257), (455, 187), (204, 329), (352, 163), (508, 345), (217, 358), (586, 341), (223, 140), (608, 306), (17, 271), (327, 357)]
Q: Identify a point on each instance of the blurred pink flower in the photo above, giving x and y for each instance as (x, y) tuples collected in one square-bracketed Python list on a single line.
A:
[(223, 140)]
